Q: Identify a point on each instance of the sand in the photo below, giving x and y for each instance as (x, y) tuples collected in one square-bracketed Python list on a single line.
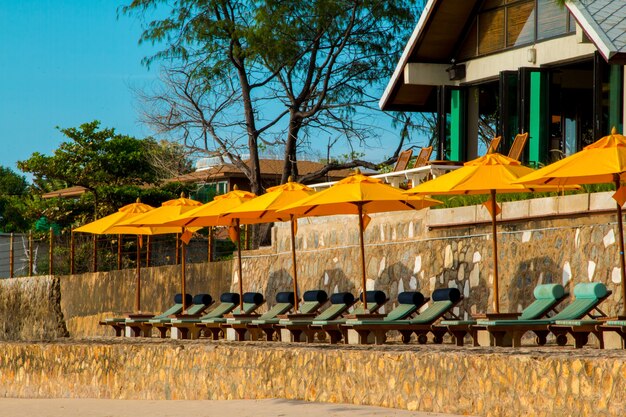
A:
[(10, 407)]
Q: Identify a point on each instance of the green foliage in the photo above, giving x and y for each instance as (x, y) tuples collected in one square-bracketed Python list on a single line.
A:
[(13, 189), (115, 169)]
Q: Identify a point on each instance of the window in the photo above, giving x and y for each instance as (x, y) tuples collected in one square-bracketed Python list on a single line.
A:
[(502, 24)]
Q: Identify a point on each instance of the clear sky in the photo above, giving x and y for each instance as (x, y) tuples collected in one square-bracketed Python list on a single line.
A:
[(63, 63), (67, 62)]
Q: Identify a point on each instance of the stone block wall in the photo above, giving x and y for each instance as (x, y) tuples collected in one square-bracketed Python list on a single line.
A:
[(430, 378), (403, 253)]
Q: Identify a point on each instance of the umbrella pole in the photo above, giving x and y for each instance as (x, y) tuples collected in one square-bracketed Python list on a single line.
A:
[(183, 265), (362, 245), (496, 297), (293, 261), (138, 277), (621, 248), (239, 265)]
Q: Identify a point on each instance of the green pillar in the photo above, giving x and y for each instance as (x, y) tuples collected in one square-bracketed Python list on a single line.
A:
[(615, 98), (457, 125), (538, 126)]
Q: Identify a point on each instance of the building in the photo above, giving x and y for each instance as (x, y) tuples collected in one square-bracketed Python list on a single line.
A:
[(515, 66), (214, 177)]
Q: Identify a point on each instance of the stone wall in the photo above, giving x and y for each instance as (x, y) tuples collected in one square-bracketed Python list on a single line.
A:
[(403, 253), (44, 307), (428, 378)]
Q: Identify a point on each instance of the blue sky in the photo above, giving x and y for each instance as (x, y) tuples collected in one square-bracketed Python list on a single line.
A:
[(67, 62), (63, 63)]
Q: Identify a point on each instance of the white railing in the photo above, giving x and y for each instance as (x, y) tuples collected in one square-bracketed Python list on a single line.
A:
[(415, 175)]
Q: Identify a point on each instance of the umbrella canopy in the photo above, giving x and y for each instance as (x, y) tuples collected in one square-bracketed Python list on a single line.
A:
[(361, 195), (112, 224), (485, 175), (603, 161), (263, 209), (169, 210), (210, 214)]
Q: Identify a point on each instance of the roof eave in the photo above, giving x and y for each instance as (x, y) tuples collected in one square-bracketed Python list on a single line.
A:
[(595, 33), (404, 58)]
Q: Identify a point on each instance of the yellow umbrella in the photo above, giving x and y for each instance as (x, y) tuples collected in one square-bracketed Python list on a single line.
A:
[(111, 224), (210, 214), (263, 209), (603, 161), (485, 175), (169, 210), (357, 194)]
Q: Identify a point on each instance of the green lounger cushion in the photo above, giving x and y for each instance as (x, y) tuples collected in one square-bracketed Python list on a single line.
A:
[(375, 300), (577, 322), (175, 309), (457, 322), (200, 303), (408, 303), (340, 302), (546, 297), (284, 303), (251, 301), (616, 323)]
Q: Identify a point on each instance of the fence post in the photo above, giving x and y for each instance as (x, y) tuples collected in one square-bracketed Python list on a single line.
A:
[(119, 252), (30, 253), (210, 248), (71, 251), (149, 251), (51, 253), (95, 253), (11, 257)]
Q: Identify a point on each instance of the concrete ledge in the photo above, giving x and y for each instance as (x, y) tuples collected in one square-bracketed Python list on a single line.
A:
[(442, 378), (534, 208)]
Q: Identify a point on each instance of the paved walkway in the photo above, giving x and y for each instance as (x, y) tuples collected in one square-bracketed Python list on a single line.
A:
[(241, 408)]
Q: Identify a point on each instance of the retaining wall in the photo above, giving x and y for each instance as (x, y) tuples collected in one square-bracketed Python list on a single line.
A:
[(438, 379)]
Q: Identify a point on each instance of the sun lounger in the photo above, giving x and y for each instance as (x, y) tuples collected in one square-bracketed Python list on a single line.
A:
[(187, 326), (408, 304), (239, 322), (139, 324), (251, 302), (443, 301), (588, 297), (299, 324), (200, 303), (547, 298), (312, 301)]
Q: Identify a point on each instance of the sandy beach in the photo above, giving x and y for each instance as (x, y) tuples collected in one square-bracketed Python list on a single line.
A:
[(12, 407)]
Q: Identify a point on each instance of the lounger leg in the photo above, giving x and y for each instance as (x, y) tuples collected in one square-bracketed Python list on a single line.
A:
[(438, 336), (162, 332), (458, 336), (542, 337), (215, 332), (118, 330), (406, 335), (380, 336), (309, 335), (269, 333), (498, 337), (240, 334), (296, 334), (600, 337), (580, 339), (335, 336)]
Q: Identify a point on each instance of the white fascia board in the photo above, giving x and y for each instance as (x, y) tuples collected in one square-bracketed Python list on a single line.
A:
[(427, 74), (405, 54)]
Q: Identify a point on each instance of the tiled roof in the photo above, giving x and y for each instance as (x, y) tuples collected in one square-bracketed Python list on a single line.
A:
[(269, 167), (604, 21)]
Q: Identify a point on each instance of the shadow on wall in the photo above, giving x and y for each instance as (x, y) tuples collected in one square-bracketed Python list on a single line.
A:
[(335, 280), (529, 274), (278, 281), (397, 278)]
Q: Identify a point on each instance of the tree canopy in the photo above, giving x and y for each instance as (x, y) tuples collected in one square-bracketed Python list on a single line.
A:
[(244, 74)]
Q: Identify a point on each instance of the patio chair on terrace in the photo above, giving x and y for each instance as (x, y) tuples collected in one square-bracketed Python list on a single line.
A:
[(200, 303)]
